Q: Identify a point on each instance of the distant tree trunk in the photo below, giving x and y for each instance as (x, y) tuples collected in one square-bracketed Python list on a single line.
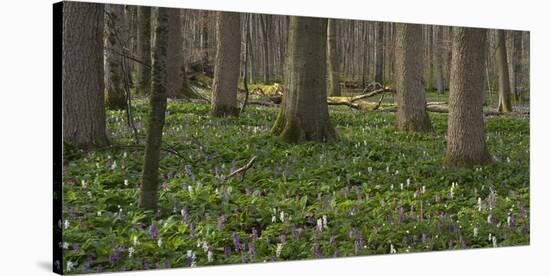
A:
[(82, 80), (438, 59), (304, 111), (226, 69), (466, 131), (114, 80), (516, 60), (251, 58), (265, 20), (144, 50), (333, 61), (379, 53), (178, 85), (504, 94), (149, 185), (366, 57), (411, 100), (429, 49)]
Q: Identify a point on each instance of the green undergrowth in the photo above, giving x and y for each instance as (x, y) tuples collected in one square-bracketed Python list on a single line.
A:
[(375, 191)]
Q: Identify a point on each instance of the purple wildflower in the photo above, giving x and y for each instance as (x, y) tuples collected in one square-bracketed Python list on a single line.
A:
[(251, 251), (99, 269), (317, 250), (187, 170), (236, 241), (227, 252), (221, 220), (153, 231), (254, 233), (282, 238)]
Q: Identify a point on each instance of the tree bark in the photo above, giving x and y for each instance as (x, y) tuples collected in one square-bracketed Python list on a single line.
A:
[(333, 60), (178, 85), (114, 80), (82, 80), (226, 69), (438, 59), (504, 94), (411, 100), (379, 53), (304, 111), (466, 144), (144, 50), (149, 185), (517, 66)]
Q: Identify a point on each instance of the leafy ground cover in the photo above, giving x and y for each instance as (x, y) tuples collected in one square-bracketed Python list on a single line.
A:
[(376, 191)]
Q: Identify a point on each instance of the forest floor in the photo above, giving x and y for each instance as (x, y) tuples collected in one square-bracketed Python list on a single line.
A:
[(375, 191)]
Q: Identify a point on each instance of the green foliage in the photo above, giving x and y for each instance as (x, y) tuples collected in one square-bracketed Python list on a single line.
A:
[(412, 205)]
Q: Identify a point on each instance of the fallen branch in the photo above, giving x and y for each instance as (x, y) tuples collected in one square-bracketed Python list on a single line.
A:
[(243, 169)]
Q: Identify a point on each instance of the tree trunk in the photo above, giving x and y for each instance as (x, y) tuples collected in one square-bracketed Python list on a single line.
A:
[(226, 69), (144, 50), (333, 60), (265, 19), (379, 53), (438, 59), (178, 85), (149, 185), (504, 94), (82, 80), (251, 48), (466, 131), (114, 79), (304, 112), (517, 64), (411, 100)]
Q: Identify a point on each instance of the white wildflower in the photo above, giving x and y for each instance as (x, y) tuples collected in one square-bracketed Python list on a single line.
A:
[(408, 182), (70, 266), (279, 250), (369, 169), (66, 224), (159, 242), (490, 237), (131, 251), (387, 169), (325, 222), (489, 217), (397, 172), (494, 241), (273, 218), (125, 154), (423, 189), (135, 241), (476, 231), (210, 256), (125, 182), (84, 184), (190, 190), (401, 186), (282, 216), (99, 213), (509, 219), (65, 245), (319, 224), (392, 249), (113, 166), (479, 204), (391, 187)]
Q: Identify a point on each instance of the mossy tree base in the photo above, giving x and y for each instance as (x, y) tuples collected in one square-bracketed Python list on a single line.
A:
[(461, 160), (224, 111), (295, 132)]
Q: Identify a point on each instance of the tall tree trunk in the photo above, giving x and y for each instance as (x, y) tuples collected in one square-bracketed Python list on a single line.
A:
[(226, 69), (178, 85), (516, 60), (82, 80), (114, 80), (504, 95), (251, 52), (144, 50), (149, 185), (438, 59), (333, 60), (379, 53), (466, 131), (411, 100), (429, 49), (265, 21), (304, 111)]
